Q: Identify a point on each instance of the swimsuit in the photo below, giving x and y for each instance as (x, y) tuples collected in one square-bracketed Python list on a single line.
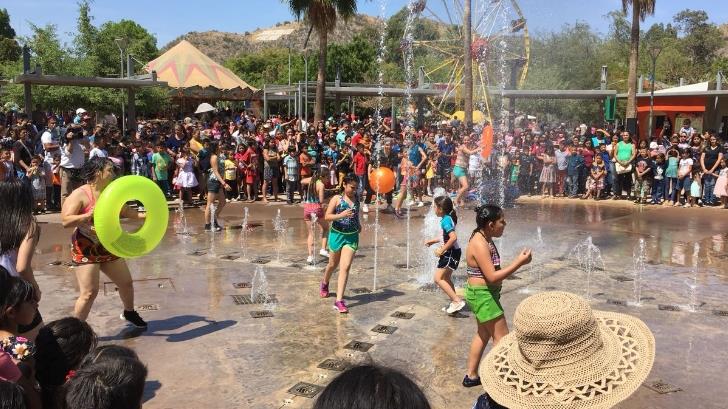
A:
[(451, 257), (345, 232), (86, 248), (311, 205), (484, 300)]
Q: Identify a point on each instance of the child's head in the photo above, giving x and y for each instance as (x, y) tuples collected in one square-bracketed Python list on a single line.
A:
[(443, 206), (60, 347), (106, 353), (724, 162), (35, 161), (490, 220), (370, 387), (643, 152), (598, 159), (660, 158), (351, 183), (110, 384), (13, 396), (160, 148), (17, 302), (685, 153), (5, 154)]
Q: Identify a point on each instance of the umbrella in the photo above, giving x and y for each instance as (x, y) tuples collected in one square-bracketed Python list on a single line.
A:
[(204, 107)]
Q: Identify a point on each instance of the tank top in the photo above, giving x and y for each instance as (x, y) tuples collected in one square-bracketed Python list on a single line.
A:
[(671, 170), (624, 151), (9, 260), (476, 272), (348, 224), (85, 228), (312, 197), (220, 168)]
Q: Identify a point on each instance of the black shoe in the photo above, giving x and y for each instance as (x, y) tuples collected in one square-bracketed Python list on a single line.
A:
[(133, 318), (207, 227), (469, 383), (217, 227)]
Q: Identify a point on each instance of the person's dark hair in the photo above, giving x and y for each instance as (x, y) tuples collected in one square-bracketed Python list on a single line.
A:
[(16, 217), (485, 214), (351, 178), (107, 352), (445, 203), (60, 347), (13, 292), (214, 148), (93, 167), (372, 387), (311, 188), (112, 384), (12, 396)]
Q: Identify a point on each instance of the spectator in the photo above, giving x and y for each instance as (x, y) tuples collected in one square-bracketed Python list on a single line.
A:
[(110, 384)]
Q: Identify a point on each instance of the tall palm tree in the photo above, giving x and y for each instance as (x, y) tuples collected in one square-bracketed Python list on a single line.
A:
[(640, 10), (322, 15)]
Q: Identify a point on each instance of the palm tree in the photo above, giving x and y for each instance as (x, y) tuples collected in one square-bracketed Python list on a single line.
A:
[(322, 15), (640, 10)]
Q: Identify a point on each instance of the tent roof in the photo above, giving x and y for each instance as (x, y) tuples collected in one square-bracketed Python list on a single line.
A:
[(700, 86), (184, 66)]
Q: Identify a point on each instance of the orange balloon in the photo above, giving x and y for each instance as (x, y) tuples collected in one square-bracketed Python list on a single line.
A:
[(381, 180), (486, 141)]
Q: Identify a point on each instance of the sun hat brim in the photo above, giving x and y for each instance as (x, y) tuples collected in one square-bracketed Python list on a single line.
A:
[(629, 349)]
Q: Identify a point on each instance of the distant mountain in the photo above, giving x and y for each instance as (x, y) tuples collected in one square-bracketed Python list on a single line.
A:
[(221, 46)]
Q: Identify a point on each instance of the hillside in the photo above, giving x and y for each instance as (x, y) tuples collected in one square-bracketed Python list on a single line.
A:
[(220, 46), (724, 29)]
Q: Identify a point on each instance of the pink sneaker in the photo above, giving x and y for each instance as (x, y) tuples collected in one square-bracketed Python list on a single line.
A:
[(324, 290), (341, 306)]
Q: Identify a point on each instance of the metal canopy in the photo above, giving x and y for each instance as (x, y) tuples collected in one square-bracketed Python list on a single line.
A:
[(553, 93), (99, 82), (709, 93)]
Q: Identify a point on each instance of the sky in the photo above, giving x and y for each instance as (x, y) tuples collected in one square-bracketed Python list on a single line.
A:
[(167, 20)]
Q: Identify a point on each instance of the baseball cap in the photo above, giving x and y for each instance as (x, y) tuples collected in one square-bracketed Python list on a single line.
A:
[(80, 111)]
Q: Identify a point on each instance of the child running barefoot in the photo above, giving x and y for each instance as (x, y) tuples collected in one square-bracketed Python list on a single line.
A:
[(485, 276), (343, 213), (313, 212), (449, 252)]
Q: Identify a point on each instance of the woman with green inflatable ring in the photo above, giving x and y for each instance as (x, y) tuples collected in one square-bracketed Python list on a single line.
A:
[(87, 251)]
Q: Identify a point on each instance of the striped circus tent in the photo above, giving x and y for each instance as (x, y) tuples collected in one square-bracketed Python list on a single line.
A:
[(192, 74)]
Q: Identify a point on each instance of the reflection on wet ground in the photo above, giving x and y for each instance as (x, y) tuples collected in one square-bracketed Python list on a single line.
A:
[(196, 326)]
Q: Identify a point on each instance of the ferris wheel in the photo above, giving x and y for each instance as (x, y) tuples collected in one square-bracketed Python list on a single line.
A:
[(500, 50)]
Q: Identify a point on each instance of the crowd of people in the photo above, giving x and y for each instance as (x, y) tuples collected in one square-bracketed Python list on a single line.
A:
[(67, 162)]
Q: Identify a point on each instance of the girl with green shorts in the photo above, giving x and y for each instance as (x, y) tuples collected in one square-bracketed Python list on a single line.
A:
[(482, 292), (343, 213)]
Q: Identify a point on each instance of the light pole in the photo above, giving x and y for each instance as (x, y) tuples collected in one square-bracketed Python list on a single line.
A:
[(122, 43), (306, 52), (655, 51)]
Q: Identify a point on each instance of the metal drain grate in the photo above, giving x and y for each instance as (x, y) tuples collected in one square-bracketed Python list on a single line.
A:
[(622, 279), (429, 288), (720, 313), (617, 302), (197, 253), (400, 265), (384, 329), (360, 346), (661, 387), (147, 307), (229, 257), (242, 285), (260, 260), (247, 299), (403, 315), (361, 290), (333, 365), (668, 307), (261, 314), (305, 389)]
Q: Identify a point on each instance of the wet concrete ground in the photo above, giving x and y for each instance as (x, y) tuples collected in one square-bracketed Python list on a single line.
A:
[(205, 350)]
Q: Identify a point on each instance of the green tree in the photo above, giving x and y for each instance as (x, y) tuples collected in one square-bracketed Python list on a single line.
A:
[(6, 31), (323, 16), (356, 59), (141, 44), (700, 38), (640, 10), (9, 48)]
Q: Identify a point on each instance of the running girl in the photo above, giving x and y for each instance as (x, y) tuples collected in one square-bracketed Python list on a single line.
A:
[(449, 252), (485, 278), (343, 212), (312, 201), (460, 170)]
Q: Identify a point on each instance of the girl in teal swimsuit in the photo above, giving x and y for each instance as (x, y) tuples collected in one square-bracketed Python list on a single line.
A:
[(343, 213)]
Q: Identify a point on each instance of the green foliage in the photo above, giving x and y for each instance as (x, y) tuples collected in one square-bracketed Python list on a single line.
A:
[(422, 30), (6, 31), (9, 49), (356, 59), (140, 43)]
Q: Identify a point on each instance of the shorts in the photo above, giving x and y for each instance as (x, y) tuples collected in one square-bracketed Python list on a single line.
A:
[(459, 172), (270, 173), (312, 208), (85, 250), (213, 185), (450, 259), (337, 240), (484, 302)]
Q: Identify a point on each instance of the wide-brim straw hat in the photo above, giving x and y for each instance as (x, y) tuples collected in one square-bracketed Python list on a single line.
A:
[(562, 354)]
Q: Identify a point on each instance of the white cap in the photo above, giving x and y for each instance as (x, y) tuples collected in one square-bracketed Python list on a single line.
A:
[(80, 111)]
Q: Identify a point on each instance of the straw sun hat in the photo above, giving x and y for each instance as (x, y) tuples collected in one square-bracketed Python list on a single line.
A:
[(563, 355)]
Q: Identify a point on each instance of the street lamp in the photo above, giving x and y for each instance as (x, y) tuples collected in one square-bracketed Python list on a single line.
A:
[(122, 44), (306, 53), (655, 51)]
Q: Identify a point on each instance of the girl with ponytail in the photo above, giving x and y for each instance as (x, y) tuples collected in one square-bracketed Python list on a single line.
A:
[(449, 252)]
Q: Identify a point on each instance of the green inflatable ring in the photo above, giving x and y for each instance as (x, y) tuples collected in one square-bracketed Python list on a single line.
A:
[(109, 206)]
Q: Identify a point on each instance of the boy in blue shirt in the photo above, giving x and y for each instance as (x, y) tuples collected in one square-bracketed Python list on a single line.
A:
[(574, 164)]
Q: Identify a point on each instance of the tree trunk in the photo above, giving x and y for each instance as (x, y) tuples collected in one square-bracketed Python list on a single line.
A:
[(467, 64), (321, 77), (633, 61)]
